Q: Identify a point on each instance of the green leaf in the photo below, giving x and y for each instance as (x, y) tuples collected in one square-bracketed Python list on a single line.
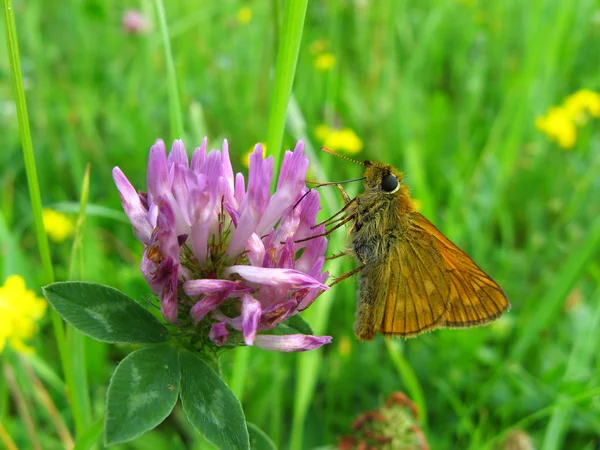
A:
[(299, 324), (104, 313), (209, 404), (293, 325), (142, 392), (259, 439)]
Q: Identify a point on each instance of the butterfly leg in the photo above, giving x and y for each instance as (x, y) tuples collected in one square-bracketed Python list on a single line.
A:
[(337, 255), (344, 221), (331, 219), (338, 185), (345, 195), (346, 275)]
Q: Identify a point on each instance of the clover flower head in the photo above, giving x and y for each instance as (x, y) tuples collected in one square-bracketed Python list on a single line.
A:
[(394, 425), (135, 22), (225, 259)]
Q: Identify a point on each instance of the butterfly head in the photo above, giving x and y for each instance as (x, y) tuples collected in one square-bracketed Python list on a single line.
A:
[(382, 178)]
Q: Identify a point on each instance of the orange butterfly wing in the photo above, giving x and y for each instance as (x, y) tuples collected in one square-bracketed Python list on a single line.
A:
[(435, 284), (418, 290), (475, 298)]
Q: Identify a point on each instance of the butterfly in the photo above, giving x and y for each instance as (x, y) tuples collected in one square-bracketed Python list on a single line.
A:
[(413, 279)]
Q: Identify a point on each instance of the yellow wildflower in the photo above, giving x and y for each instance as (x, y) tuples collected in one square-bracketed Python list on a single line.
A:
[(321, 132), (560, 122), (58, 225), (319, 46), (244, 15), (582, 104), (324, 61), (246, 157), (559, 126), (20, 308), (344, 140)]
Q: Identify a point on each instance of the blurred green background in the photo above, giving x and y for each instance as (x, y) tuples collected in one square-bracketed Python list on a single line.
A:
[(448, 91)]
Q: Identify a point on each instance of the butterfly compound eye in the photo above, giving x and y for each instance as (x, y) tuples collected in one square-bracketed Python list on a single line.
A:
[(389, 183)]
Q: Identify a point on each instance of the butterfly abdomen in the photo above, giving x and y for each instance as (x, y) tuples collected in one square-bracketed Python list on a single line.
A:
[(374, 235)]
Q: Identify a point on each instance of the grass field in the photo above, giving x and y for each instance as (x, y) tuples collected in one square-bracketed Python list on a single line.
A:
[(447, 91)]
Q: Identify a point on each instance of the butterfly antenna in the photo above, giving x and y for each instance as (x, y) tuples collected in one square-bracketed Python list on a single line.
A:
[(331, 152)]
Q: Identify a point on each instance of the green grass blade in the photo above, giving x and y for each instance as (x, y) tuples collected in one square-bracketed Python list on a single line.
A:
[(32, 177), (77, 380), (78, 239), (27, 143), (174, 102), (287, 57)]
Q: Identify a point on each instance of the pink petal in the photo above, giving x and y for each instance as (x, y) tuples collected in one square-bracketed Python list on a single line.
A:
[(276, 313), (287, 226), (290, 184), (227, 170), (198, 158), (286, 258), (312, 252), (235, 217), (289, 278), (309, 296), (205, 305), (181, 193), (148, 268), (133, 207), (213, 170), (251, 310), (158, 172), (168, 299), (291, 342), (309, 207), (255, 201), (240, 188), (165, 231), (255, 250), (225, 192), (207, 286), (219, 333), (178, 156)]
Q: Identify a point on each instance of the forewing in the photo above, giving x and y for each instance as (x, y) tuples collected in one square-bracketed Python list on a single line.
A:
[(475, 298), (418, 289)]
